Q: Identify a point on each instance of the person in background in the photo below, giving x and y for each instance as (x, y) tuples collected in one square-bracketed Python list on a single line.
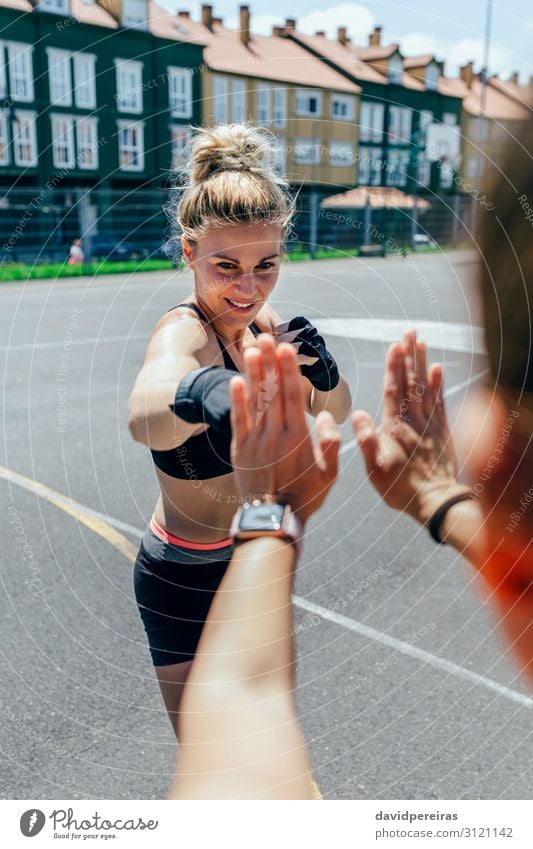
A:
[(76, 255)]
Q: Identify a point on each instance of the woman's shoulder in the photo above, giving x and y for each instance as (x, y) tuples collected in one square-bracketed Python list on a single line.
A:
[(180, 331), (267, 319)]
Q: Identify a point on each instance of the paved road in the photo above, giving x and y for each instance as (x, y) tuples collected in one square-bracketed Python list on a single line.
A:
[(404, 688)]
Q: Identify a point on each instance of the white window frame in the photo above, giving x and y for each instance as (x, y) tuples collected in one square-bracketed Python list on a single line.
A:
[(180, 91), (91, 144), (449, 118), (220, 98), (3, 74), (346, 102), (263, 103), (397, 174), (29, 119), (424, 171), (342, 161), (400, 124), (371, 121), (303, 97), (134, 104), (178, 158), (87, 85), (307, 151), (58, 7), (15, 51), (59, 76), (135, 21), (431, 77), (63, 139), (395, 69), (279, 106), (129, 125), (4, 139), (238, 99), (368, 174), (425, 118)]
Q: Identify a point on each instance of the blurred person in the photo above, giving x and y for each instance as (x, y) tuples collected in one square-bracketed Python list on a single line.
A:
[(75, 254), (412, 461), (239, 736), (233, 216)]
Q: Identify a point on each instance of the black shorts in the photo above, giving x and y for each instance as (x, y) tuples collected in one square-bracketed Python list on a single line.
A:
[(174, 588)]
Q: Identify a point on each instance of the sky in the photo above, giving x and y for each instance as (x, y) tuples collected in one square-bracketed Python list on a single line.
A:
[(453, 30)]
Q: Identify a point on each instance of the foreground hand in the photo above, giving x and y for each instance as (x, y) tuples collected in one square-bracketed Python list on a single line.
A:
[(272, 450), (412, 461)]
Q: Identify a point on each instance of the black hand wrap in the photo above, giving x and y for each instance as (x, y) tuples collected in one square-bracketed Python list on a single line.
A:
[(324, 374), (203, 398)]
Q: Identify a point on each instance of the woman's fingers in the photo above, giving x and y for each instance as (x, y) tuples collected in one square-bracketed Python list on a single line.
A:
[(436, 381), (415, 389), (292, 393), (328, 445), (393, 385), (269, 404), (252, 371), (366, 435), (240, 412), (422, 377)]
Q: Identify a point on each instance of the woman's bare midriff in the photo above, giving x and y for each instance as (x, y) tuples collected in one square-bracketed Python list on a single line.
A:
[(198, 511)]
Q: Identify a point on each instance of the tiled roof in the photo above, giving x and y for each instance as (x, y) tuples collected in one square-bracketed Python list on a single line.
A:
[(498, 104), (343, 55), (377, 196), (418, 61), (165, 25), (370, 54), (265, 57)]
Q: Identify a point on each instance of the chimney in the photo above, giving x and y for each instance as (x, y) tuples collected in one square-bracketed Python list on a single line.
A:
[(244, 33), (184, 13), (207, 16), (290, 23), (341, 35), (514, 77), (277, 31), (466, 73), (374, 39), (321, 33)]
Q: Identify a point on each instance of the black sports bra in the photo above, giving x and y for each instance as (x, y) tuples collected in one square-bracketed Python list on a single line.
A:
[(206, 455)]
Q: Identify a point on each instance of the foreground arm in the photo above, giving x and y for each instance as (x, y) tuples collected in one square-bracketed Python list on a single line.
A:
[(238, 729)]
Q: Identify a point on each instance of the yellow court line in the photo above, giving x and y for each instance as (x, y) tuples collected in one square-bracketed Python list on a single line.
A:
[(73, 508)]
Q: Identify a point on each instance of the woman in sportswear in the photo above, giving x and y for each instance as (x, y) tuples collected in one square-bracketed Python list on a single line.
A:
[(233, 215)]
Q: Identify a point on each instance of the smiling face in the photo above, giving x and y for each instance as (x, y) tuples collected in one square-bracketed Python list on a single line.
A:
[(235, 269)]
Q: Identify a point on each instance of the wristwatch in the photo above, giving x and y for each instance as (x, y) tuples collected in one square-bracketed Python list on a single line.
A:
[(266, 519)]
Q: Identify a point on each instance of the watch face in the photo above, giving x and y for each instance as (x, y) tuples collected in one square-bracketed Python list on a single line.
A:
[(262, 517)]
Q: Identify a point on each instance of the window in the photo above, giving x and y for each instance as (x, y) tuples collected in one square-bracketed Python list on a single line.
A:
[(131, 146), (87, 143), (180, 92), (3, 80), (342, 107), (180, 138), (424, 172), (263, 103), (84, 80), (425, 118), (220, 97), (308, 102), (59, 6), (432, 76), (446, 175), (129, 86), (341, 153), (280, 151), (395, 69), (238, 100), (134, 13), (370, 166), (4, 153), (371, 122), (24, 138), (307, 152), (63, 141), (399, 124), (20, 71), (473, 166), (397, 165), (59, 77), (279, 118), (449, 118), (479, 129)]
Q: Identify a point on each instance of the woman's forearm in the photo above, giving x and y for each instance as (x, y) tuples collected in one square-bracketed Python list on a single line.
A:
[(338, 402)]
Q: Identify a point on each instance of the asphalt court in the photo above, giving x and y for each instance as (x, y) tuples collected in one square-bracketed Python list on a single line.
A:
[(405, 689)]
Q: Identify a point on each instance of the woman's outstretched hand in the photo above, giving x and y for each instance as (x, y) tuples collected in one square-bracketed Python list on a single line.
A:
[(272, 450), (411, 462)]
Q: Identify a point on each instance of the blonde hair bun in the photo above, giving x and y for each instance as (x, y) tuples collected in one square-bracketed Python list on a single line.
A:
[(231, 147)]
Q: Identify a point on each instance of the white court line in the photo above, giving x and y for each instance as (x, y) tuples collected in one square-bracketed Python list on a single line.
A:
[(400, 646), (448, 393)]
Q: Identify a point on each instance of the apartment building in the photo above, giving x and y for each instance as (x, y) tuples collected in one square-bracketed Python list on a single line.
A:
[(401, 97)]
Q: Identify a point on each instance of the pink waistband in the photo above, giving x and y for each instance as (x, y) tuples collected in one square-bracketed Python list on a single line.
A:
[(185, 543)]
